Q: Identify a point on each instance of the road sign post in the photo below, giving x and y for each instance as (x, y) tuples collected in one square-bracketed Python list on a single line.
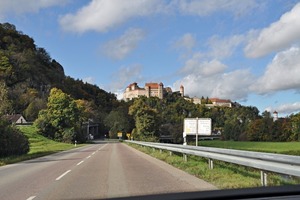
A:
[(196, 126), (120, 135)]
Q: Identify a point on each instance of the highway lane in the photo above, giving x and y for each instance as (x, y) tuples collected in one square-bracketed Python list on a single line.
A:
[(25, 179), (93, 172)]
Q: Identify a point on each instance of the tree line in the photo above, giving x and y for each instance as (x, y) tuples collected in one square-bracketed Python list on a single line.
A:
[(154, 117)]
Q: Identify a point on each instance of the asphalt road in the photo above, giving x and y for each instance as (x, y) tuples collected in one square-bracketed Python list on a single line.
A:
[(103, 170)]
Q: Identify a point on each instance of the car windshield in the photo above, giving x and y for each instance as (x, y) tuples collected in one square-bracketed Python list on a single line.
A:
[(113, 98)]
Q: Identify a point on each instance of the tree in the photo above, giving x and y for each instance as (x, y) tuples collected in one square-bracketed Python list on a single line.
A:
[(61, 119), (32, 111), (5, 105), (295, 127), (5, 67), (117, 121), (147, 120)]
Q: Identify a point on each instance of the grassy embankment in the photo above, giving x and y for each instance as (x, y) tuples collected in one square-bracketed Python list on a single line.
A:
[(290, 148), (39, 146), (226, 175)]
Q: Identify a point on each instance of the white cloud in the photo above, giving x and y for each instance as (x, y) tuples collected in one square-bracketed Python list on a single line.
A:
[(8, 7), (224, 47), (207, 7), (195, 85), (277, 36), (187, 41), (233, 85), (195, 66), (218, 47), (125, 76), (103, 15), (119, 48), (90, 80), (288, 108), (208, 78), (281, 74)]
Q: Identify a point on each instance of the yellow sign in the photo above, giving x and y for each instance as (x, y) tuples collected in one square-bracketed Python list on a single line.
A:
[(128, 135), (120, 134)]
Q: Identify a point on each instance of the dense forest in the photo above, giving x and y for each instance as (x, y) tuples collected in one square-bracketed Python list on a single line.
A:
[(34, 84)]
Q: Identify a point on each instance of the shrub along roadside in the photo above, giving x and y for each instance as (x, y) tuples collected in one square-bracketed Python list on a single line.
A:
[(12, 141), (39, 146), (224, 175)]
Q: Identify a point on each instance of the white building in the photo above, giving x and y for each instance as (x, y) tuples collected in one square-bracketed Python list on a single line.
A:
[(150, 90)]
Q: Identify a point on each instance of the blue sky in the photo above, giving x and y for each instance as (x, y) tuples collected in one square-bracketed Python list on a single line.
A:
[(247, 51)]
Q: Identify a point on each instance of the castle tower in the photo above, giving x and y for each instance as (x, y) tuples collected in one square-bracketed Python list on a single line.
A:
[(160, 90), (275, 116), (181, 90), (147, 88)]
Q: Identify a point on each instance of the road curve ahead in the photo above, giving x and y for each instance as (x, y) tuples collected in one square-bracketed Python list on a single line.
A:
[(103, 170)]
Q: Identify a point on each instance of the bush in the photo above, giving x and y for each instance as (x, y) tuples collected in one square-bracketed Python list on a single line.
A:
[(68, 135), (12, 141)]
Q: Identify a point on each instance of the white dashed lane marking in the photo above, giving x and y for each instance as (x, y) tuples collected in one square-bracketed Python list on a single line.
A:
[(80, 162), (58, 178)]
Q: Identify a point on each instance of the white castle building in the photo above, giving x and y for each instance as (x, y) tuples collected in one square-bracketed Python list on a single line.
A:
[(158, 90), (150, 90)]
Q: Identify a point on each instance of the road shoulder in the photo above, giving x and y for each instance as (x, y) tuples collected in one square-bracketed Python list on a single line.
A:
[(199, 184)]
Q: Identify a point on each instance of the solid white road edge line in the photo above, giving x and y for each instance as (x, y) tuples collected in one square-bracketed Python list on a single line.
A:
[(30, 198), (58, 178)]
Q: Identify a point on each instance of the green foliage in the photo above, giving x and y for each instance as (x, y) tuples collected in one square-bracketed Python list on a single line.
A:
[(224, 175), (5, 105), (61, 118), (118, 120), (39, 146), (147, 120), (28, 73), (295, 127), (32, 110), (12, 141), (291, 148)]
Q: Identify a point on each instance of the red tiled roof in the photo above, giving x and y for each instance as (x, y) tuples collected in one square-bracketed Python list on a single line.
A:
[(217, 100), (153, 85)]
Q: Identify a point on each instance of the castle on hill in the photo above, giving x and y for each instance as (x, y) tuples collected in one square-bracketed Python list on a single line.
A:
[(158, 90), (149, 90)]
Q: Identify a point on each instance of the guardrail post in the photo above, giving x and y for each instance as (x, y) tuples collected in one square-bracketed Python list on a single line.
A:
[(263, 178), (210, 163), (160, 150), (184, 157), (171, 153)]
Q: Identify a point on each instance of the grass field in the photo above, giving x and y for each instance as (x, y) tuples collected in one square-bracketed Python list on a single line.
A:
[(291, 148), (39, 146), (224, 175)]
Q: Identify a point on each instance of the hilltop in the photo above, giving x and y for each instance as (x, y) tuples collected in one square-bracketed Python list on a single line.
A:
[(29, 73)]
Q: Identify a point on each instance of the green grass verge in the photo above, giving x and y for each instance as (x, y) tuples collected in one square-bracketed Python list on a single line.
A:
[(39, 146), (290, 148), (224, 175)]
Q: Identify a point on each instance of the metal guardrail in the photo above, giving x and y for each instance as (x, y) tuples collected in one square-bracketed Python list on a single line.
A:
[(266, 162)]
